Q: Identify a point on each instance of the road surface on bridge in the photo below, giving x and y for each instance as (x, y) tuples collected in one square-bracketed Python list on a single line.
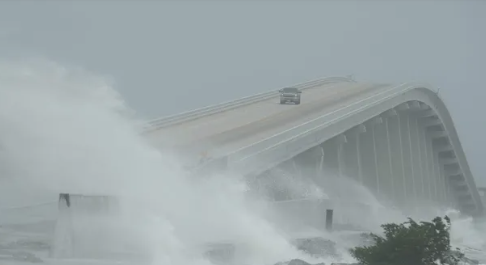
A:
[(227, 131)]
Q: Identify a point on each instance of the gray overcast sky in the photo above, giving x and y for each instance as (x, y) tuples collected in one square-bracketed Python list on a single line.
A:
[(168, 56)]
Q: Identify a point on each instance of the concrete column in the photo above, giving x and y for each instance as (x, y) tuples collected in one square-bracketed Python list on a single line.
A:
[(353, 153), (416, 159), (446, 154), (396, 147), (330, 155), (350, 150), (453, 178), (453, 199), (320, 164), (385, 172), (430, 167), (451, 196), (369, 158), (433, 167), (436, 134), (306, 164), (411, 185), (377, 121), (439, 179), (424, 161), (341, 140), (452, 174), (326, 159), (296, 169), (333, 154), (358, 155), (390, 159), (407, 157), (443, 186)]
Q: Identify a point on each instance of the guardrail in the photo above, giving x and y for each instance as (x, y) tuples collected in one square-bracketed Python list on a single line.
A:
[(198, 113)]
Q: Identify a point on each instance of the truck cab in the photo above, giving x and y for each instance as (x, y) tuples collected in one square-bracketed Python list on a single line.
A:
[(290, 94)]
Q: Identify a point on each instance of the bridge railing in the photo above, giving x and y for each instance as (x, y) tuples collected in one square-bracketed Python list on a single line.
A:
[(197, 113)]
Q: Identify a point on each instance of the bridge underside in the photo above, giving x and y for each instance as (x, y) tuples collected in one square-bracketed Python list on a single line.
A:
[(403, 156)]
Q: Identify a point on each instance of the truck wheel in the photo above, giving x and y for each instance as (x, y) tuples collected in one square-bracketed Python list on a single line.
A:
[(297, 102)]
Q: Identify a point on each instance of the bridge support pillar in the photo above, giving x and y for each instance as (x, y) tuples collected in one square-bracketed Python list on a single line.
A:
[(330, 160), (438, 138), (435, 176), (296, 169), (449, 174), (449, 170), (352, 153), (421, 158), (447, 151), (322, 158), (443, 186), (333, 158), (430, 166), (383, 151), (341, 140), (369, 157), (397, 159), (416, 159), (439, 179), (309, 164), (409, 174), (425, 160), (333, 154)]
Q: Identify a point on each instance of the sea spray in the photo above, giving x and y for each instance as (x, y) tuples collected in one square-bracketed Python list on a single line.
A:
[(65, 130), (468, 235)]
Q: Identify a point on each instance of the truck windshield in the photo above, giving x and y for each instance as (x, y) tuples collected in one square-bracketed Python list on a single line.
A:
[(290, 90)]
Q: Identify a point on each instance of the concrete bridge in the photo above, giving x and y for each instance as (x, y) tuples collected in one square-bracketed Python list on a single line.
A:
[(397, 140)]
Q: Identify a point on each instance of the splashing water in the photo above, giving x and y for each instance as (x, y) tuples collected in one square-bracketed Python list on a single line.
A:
[(468, 235), (69, 131)]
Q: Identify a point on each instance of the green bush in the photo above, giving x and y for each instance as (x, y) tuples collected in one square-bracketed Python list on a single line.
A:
[(410, 243)]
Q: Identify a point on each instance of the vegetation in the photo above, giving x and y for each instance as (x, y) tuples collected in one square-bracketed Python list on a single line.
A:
[(410, 243)]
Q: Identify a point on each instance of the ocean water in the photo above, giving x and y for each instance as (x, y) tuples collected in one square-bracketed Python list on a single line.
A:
[(66, 130)]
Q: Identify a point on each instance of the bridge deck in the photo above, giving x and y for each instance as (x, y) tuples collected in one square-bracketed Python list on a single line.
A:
[(223, 121), (234, 129)]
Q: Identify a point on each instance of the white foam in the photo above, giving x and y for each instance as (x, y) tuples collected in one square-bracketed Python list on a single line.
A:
[(66, 130)]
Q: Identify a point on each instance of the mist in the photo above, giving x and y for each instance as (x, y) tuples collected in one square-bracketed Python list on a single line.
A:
[(68, 131), (78, 78)]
